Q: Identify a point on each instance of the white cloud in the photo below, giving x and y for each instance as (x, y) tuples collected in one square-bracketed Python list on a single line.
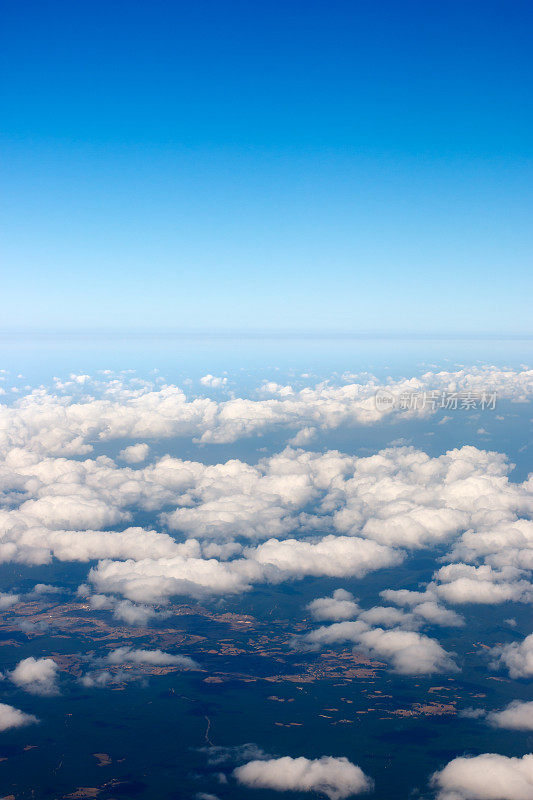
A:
[(101, 679), (213, 381), (155, 580), (517, 657), (335, 777), (389, 617), (340, 606), (334, 556), (463, 583), (370, 510), (45, 588), (303, 437), (132, 613), (128, 655), (135, 453), (36, 675), (63, 425), (7, 600), (517, 715), (409, 652), (486, 777), (13, 718), (472, 713)]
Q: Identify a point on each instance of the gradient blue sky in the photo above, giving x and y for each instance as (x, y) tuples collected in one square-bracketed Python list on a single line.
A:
[(282, 165)]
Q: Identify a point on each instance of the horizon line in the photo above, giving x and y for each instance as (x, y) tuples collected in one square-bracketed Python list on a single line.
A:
[(256, 334)]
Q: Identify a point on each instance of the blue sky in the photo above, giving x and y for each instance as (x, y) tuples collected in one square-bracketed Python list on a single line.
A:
[(304, 166)]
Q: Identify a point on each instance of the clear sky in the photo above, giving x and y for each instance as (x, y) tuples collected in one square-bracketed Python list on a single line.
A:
[(277, 165)]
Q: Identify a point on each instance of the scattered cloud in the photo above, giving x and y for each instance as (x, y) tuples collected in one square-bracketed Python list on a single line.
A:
[(36, 675), (128, 655), (486, 777), (409, 652), (517, 657), (7, 600), (341, 605), (213, 381), (135, 453), (517, 716), (14, 718), (334, 777)]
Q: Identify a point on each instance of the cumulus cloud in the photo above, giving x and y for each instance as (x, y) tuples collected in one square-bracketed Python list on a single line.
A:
[(370, 511), (303, 437), (128, 655), (155, 580), (7, 600), (464, 583), (11, 717), (135, 453), (486, 777), (334, 777), (334, 556), (517, 657), (409, 652), (517, 715), (340, 606), (213, 381), (45, 588), (66, 425), (36, 675), (424, 605)]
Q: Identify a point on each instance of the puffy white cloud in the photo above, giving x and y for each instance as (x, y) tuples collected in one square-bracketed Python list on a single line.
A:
[(409, 652), (128, 655), (155, 580), (517, 657), (213, 382), (486, 777), (11, 717), (36, 675), (424, 605), (123, 610), (435, 614), (303, 437), (135, 453), (334, 556), (335, 777), (340, 606), (7, 600), (463, 583), (369, 510), (67, 425), (517, 715), (45, 588), (389, 617), (507, 543)]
